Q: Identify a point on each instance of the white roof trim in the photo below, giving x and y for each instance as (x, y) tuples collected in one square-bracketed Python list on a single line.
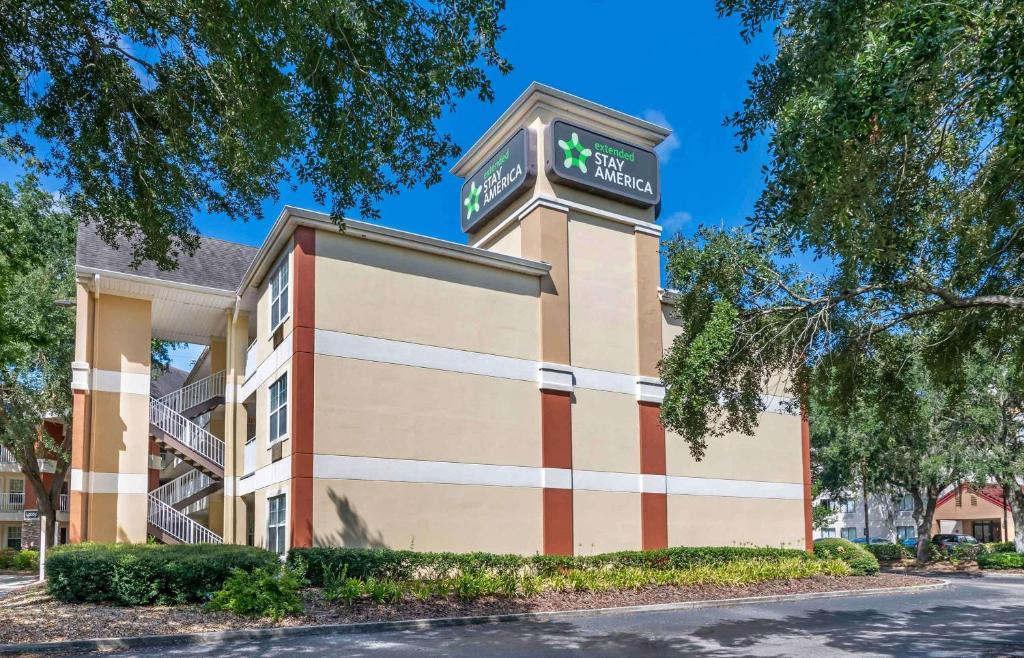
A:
[(149, 280)]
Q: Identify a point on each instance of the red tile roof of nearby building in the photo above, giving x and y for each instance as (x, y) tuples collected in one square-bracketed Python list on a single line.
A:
[(993, 493)]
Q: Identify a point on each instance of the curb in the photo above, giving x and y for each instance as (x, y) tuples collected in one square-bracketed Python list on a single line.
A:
[(121, 643)]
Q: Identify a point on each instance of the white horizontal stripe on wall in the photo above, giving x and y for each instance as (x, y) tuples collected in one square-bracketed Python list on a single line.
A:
[(689, 486), (382, 350), (267, 368), (99, 482), (340, 467), (267, 476), (113, 381), (602, 380)]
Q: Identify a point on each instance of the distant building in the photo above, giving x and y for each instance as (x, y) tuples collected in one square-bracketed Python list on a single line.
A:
[(979, 512), (889, 518)]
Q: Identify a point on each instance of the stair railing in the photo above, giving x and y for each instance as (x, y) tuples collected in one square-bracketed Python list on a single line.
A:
[(186, 432), (195, 393), (182, 487), (178, 525)]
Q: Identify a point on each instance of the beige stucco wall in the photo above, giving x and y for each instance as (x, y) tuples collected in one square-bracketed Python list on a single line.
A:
[(725, 521), (605, 521), (364, 408), (605, 432), (509, 242), (120, 432), (427, 517), (260, 497), (123, 334), (602, 314), (117, 517), (374, 289), (771, 455)]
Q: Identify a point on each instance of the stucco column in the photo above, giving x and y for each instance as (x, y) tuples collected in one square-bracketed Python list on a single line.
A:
[(110, 459), (81, 404), (235, 421), (301, 388), (545, 235), (650, 392)]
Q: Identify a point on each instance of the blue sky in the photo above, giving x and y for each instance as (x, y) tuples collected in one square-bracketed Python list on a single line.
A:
[(673, 62)]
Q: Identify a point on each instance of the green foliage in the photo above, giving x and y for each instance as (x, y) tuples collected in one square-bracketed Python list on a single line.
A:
[(153, 111), (889, 552), (140, 574), (24, 560), (383, 591), (321, 563), (859, 559), (271, 591), (1001, 547), (1001, 560)]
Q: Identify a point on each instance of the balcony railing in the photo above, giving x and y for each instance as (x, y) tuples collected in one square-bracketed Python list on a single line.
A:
[(6, 456), (62, 503), (250, 359), (12, 502)]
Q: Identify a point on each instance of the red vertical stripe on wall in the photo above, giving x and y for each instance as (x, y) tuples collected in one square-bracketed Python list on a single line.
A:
[(304, 326), (78, 511), (653, 506), (556, 452), (805, 445)]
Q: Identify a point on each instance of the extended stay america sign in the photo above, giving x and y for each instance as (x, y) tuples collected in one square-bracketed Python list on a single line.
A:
[(504, 174), (600, 164)]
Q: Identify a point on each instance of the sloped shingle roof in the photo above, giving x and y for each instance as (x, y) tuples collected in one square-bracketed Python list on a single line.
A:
[(216, 263)]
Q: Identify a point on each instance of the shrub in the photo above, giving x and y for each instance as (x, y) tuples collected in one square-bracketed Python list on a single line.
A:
[(265, 592), (139, 574), (385, 564), (858, 558), (1001, 561), (967, 552), (1001, 547), (889, 552), (26, 560), (383, 591)]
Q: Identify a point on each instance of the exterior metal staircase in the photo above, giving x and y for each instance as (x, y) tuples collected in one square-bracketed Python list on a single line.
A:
[(171, 423)]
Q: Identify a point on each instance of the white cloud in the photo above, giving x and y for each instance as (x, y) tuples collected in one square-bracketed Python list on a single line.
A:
[(675, 222), (671, 142)]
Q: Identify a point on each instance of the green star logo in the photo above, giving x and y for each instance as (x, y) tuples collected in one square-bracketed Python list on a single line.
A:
[(575, 153), (472, 201)]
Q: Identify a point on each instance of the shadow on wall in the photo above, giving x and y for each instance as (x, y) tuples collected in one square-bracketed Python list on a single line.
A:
[(354, 531)]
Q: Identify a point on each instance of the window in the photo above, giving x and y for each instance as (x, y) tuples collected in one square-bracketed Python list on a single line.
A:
[(849, 533), (62, 535), (16, 489), (906, 504), (14, 537), (849, 505), (276, 516), (279, 295), (279, 409), (905, 532), (828, 533)]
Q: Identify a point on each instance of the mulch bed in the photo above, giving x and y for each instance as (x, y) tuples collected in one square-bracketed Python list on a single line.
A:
[(33, 616)]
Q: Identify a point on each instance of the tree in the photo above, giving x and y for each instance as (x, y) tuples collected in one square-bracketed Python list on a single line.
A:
[(904, 431), (895, 145), (37, 339), (150, 111)]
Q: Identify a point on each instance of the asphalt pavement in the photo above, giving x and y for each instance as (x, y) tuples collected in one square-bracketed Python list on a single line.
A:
[(975, 616)]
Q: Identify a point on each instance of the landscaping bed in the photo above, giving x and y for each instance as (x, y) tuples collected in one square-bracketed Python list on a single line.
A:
[(34, 616)]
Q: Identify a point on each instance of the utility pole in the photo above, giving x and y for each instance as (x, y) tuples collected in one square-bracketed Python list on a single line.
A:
[(1006, 495)]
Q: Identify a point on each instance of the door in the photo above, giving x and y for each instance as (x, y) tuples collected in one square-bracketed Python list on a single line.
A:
[(986, 531)]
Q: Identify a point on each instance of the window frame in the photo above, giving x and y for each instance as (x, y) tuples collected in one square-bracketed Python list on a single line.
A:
[(848, 506), (7, 537), (912, 534), (273, 418), (828, 533), (276, 290), (277, 523), (905, 504), (849, 533)]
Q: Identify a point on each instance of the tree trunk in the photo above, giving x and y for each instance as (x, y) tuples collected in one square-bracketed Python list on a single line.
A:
[(1017, 508), (924, 514), (867, 523)]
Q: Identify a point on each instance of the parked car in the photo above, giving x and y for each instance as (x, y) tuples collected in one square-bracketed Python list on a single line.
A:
[(874, 540), (947, 542), (909, 542)]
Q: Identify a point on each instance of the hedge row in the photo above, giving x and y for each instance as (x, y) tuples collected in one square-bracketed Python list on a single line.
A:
[(1001, 561), (141, 574), (889, 552), (320, 564)]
